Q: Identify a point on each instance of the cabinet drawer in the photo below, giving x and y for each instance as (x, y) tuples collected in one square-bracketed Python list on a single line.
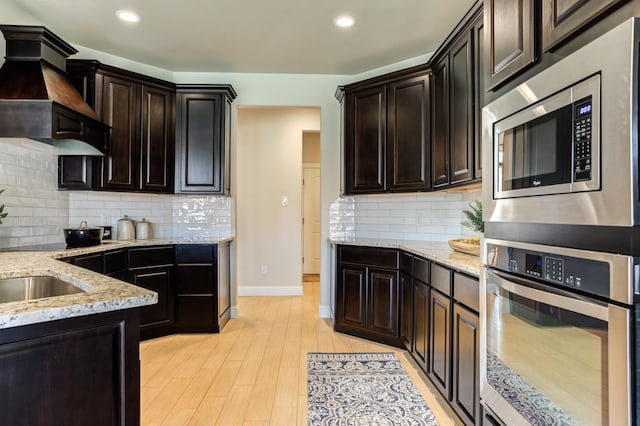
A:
[(466, 290), (421, 269), (195, 254), (441, 279), (406, 263), (369, 256), (150, 256), (196, 314), (115, 261), (195, 279), (92, 262)]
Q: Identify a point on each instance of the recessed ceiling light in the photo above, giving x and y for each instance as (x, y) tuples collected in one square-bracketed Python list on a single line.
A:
[(128, 16), (344, 21)]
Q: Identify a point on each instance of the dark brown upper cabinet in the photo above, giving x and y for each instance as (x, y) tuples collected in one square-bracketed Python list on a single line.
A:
[(120, 110), (365, 140), (203, 125), (440, 123), (453, 112), (478, 93), (140, 110), (386, 133), (157, 138), (563, 18), (461, 109), (510, 38), (408, 157)]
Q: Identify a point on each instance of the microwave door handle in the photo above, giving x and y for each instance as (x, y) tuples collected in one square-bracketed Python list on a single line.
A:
[(549, 295)]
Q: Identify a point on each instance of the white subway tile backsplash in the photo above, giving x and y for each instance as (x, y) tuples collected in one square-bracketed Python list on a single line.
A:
[(420, 216), (28, 174)]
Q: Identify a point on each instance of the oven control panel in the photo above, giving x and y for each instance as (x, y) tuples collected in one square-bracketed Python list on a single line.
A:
[(587, 275)]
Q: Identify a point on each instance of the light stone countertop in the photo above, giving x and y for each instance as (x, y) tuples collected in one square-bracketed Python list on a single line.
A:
[(436, 251), (102, 293)]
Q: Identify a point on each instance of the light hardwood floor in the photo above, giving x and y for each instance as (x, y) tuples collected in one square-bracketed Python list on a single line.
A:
[(254, 372)]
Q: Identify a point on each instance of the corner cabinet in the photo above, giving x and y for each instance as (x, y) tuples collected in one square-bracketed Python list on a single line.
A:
[(386, 133), (203, 151), (367, 293)]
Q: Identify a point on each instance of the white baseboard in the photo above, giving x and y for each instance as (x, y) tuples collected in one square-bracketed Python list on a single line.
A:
[(325, 311), (270, 291), (235, 311)]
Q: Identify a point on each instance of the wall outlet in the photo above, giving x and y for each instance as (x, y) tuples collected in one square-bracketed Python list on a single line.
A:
[(263, 269), (284, 201)]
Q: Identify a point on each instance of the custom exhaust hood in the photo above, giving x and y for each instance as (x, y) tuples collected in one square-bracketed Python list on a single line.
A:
[(37, 100)]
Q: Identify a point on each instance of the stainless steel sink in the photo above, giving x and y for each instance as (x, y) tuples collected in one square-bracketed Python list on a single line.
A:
[(27, 288)]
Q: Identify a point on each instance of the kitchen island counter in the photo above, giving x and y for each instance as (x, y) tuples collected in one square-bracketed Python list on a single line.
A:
[(101, 293)]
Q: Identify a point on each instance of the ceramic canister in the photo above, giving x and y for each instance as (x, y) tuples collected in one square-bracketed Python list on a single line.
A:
[(143, 230), (126, 229)]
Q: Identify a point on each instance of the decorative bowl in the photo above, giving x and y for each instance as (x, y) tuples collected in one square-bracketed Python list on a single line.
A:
[(467, 246)]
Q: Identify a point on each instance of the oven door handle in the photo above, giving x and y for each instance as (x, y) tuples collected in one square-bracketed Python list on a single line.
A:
[(549, 295)]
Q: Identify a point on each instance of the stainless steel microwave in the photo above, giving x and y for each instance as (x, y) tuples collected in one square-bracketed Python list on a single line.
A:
[(552, 146), (562, 147)]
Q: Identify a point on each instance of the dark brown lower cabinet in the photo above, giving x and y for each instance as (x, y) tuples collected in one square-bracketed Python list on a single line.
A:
[(382, 302), (406, 310), (78, 371), (202, 277), (367, 293), (115, 264), (465, 351), (152, 268), (351, 297), (440, 342), (92, 262), (192, 281), (421, 323), (224, 284), (156, 320)]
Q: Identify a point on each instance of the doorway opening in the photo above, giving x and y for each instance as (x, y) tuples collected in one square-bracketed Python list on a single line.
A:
[(269, 196)]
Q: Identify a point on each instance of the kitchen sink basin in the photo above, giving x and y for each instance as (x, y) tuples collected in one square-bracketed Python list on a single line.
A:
[(37, 287)]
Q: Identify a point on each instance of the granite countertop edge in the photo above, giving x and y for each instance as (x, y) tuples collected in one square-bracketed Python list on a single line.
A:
[(102, 293), (439, 252)]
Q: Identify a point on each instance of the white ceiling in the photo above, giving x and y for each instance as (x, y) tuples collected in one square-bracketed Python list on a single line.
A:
[(264, 36)]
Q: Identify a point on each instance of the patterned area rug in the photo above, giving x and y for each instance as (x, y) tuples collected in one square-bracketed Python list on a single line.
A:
[(359, 389)]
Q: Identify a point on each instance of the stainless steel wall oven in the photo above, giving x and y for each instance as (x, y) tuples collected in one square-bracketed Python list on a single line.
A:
[(558, 345)]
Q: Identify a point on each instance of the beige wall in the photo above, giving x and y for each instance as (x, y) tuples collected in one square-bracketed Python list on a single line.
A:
[(311, 147), (269, 167)]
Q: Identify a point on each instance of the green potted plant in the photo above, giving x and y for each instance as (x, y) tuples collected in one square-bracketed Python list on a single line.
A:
[(474, 222), (2, 213), (474, 217)]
